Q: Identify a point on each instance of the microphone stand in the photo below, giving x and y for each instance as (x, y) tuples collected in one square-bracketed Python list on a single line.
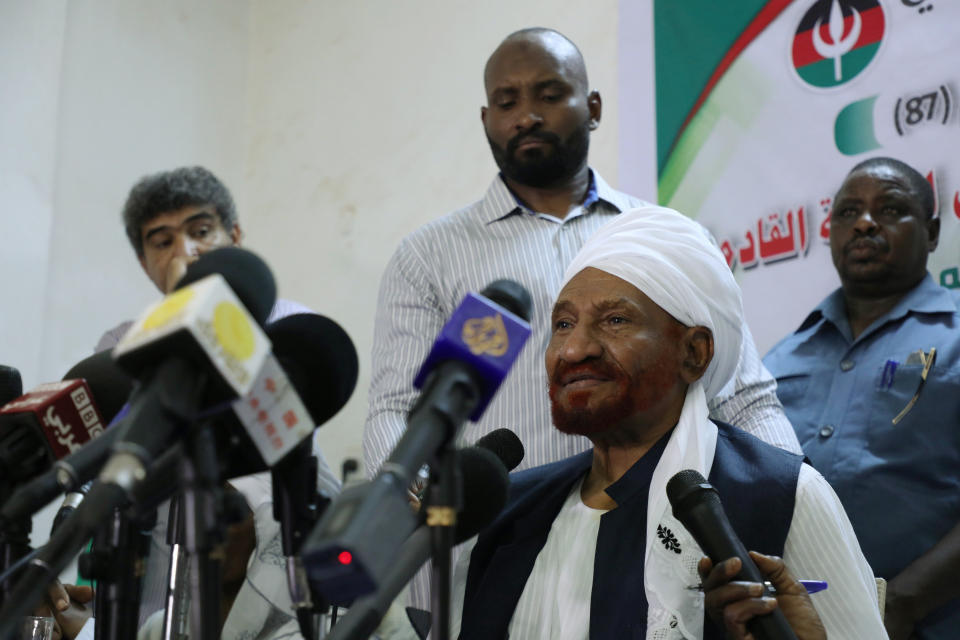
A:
[(117, 562), (297, 506), (444, 500), (175, 614), (204, 531), (14, 544)]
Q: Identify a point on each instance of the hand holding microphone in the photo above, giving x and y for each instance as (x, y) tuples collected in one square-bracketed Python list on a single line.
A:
[(733, 604), (696, 504)]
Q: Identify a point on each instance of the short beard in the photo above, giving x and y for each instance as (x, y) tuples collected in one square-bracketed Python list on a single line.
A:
[(539, 169), (580, 419)]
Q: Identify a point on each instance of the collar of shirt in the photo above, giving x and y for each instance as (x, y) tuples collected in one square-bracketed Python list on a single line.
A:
[(636, 481), (500, 203), (926, 297)]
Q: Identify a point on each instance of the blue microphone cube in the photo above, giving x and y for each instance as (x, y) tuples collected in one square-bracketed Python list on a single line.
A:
[(483, 334)]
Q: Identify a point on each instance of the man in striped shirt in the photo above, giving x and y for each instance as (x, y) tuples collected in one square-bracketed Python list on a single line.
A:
[(534, 217)]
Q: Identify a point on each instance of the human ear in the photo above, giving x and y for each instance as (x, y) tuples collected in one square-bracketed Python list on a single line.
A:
[(236, 234), (696, 348), (933, 233), (595, 106)]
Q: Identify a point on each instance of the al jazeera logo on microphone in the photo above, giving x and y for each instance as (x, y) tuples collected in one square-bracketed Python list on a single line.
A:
[(486, 335), (212, 314)]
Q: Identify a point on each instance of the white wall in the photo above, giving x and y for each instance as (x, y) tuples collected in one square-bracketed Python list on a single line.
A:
[(31, 42), (339, 127)]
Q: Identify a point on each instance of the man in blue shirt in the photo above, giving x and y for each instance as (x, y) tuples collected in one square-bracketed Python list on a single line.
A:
[(871, 383)]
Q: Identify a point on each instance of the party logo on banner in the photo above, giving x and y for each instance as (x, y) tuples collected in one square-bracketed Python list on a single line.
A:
[(836, 40)]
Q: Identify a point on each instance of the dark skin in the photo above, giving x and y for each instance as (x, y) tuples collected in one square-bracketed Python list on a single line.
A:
[(732, 604), (925, 584), (599, 319), (880, 237), (537, 82), (606, 331)]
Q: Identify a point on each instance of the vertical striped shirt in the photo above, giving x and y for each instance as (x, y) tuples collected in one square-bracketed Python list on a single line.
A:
[(435, 266)]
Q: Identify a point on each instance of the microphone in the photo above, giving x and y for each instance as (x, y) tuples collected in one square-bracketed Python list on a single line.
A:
[(501, 442), (322, 365), (71, 501), (10, 384), (109, 388), (468, 361), (197, 345), (696, 504), (485, 486), (53, 422), (504, 444), (311, 377)]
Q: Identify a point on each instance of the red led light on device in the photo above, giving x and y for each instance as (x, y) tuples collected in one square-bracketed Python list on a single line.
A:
[(345, 557)]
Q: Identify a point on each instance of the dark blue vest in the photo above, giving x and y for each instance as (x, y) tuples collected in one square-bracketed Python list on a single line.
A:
[(757, 484)]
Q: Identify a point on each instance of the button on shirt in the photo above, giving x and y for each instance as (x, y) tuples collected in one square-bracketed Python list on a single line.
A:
[(900, 483)]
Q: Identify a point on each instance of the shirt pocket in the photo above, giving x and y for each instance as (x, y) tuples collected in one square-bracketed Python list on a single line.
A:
[(894, 391)]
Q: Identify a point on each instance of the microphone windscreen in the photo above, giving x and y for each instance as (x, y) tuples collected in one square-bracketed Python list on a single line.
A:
[(109, 384), (485, 486), (684, 484), (320, 360), (510, 295), (248, 276), (11, 386), (505, 445)]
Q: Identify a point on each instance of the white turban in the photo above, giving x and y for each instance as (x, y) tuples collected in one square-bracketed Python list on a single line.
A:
[(672, 260)]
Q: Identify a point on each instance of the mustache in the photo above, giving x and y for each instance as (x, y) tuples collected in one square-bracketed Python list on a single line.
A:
[(597, 369), (543, 136), (864, 242)]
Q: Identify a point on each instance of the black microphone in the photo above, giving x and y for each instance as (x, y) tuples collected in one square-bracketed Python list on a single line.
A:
[(468, 361), (109, 388), (504, 444), (485, 486), (10, 384), (696, 504), (321, 362)]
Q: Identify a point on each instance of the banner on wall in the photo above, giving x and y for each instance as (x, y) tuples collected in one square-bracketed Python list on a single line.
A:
[(763, 106)]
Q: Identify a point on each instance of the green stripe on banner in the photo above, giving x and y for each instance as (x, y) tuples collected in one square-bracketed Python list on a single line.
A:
[(821, 74), (729, 110), (691, 37)]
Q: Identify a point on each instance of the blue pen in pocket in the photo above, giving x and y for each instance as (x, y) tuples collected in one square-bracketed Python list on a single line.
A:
[(887, 377)]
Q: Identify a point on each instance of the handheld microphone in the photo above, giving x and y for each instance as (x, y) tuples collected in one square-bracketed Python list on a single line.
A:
[(468, 361), (198, 344), (696, 504), (485, 485)]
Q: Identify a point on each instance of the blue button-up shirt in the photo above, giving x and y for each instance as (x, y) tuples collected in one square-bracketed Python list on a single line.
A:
[(900, 483)]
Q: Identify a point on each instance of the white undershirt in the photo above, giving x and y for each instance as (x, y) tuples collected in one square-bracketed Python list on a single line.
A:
[(555, 602)]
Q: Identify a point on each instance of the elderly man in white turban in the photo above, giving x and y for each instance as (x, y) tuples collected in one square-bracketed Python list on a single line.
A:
[(646, 329)]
